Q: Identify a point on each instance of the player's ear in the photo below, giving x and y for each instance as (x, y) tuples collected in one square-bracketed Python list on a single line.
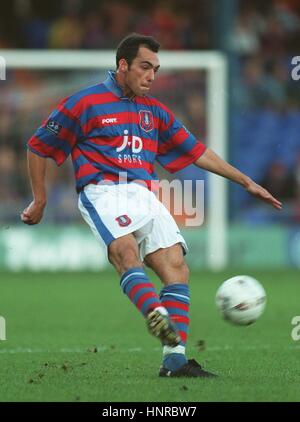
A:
[(123, 66)]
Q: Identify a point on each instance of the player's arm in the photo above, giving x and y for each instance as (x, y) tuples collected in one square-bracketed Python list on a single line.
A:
[(210, 161), (54, 139), (37, 173)]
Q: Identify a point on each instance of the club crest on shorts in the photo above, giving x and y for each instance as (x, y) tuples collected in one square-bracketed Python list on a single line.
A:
[(146, 120), (123, 220)]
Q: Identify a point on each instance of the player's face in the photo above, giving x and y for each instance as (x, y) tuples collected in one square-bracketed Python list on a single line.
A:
[(140, 75)]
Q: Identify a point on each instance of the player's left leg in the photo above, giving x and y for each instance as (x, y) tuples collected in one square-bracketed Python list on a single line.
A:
[(169, 264)]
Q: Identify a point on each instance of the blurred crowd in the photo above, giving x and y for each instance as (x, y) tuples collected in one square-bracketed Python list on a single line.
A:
[(265, 106), (265, 39), (96, 24)]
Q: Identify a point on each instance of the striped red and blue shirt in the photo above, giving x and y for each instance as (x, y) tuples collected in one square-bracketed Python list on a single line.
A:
[(107, 133)]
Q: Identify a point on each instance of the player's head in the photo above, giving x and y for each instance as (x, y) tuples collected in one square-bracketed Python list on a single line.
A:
[(137, 63)]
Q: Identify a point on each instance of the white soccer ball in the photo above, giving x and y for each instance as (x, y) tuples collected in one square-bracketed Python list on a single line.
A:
[(241, 300)]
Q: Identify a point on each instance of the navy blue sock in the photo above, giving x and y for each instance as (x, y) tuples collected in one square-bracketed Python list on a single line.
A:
[(174, 361)]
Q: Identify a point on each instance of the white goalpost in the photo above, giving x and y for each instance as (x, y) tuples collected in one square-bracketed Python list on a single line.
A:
[(215, 65)]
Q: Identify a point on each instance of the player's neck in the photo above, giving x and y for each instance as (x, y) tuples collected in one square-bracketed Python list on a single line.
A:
[(127, 92)]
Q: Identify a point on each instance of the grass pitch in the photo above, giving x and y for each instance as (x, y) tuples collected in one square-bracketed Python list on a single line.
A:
[(76, 337)]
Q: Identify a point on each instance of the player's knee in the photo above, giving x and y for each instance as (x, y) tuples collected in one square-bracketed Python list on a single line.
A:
[(183, 271), (130, 259), (176, 271), (179, 267), (187, 272), (123, 257)]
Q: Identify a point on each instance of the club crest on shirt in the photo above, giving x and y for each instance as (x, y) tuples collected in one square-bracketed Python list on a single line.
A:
[(146, 120), (123, 220)]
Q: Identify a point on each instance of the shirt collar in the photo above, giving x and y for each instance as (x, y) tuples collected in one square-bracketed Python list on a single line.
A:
[(113, 86)]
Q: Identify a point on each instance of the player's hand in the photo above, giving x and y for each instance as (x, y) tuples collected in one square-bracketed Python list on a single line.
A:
[(262, 194), (33, 213)]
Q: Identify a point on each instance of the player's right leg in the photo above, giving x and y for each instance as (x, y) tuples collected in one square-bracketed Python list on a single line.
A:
[(123, 254)]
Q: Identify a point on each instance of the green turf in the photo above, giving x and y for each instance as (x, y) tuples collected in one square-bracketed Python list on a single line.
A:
[(55, 321)]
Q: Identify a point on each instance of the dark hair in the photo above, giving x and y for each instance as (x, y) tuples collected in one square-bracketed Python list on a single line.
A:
[(129, 46)]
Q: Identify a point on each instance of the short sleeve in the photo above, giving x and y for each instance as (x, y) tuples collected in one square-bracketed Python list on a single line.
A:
[(177, 147), (57, 136)]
